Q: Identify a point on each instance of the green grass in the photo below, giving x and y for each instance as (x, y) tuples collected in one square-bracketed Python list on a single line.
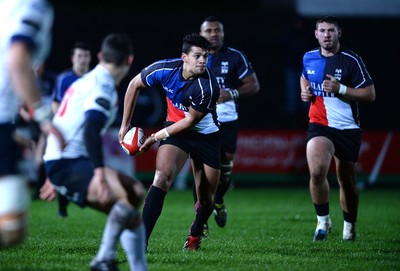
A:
[(268, 229)]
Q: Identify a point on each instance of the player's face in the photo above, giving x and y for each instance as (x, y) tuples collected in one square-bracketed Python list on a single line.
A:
[(214, 33), (328, 36), (81, 60), (195, 62)]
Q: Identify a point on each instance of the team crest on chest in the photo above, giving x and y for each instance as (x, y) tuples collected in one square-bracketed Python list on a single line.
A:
[(338, 74), (224, 66)]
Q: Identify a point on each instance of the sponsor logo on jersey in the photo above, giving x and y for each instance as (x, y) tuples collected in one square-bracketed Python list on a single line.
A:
[(310, 71)]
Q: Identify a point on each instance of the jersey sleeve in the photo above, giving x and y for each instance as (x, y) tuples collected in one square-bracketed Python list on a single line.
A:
[(102, 100)]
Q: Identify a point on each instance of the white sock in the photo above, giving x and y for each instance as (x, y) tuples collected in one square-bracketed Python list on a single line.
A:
[(118, 219), (322, 220), (133, 242)]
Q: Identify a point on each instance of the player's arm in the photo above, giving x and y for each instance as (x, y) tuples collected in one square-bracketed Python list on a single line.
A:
[(250, 86), (23, 81), (186, 123), (95, 121), (365, 94), (22, 76), (305, 93), (131, 96)]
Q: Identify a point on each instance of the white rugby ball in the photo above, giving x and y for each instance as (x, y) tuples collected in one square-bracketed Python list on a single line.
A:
[(133, 140)]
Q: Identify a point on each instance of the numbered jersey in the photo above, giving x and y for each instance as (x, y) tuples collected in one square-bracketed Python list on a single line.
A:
[(24, 21), (94, 91)]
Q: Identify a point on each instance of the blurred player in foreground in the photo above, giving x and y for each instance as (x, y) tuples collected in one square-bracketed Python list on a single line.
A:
[(236, 78), (191, 129), (78, 172), (334, 80), (25, 41)]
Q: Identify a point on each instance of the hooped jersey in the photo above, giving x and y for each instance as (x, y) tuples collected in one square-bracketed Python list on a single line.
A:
[(200, 93), (31, 23), (230, 66), (94, 91), (332, 109)]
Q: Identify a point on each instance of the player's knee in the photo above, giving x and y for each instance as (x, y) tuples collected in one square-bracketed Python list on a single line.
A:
[(162, 180), (13, 229), (14, 203)]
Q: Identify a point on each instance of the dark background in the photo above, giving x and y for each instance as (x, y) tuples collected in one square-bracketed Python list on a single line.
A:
[(263, 32)]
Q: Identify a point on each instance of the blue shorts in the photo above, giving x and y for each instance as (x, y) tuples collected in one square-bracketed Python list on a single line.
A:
[(201, 147), (347, 142), (10, 151), (71, 178), (229, 134)]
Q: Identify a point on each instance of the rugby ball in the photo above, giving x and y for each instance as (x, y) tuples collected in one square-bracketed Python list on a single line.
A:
[(133, 140)]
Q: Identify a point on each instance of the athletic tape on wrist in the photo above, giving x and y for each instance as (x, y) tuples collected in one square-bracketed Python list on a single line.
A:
[(159, 133), (234, 94), (342, 89)]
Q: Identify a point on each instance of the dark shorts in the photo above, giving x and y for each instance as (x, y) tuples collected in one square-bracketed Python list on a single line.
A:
[(229, 134), (201, 147), (71, 178), (347, 142), (10, 151)]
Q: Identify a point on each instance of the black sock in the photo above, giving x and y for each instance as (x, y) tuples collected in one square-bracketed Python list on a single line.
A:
[(322, 209), (152, 208), (221, 191), (194, 192), (351, 218), (202, 215)]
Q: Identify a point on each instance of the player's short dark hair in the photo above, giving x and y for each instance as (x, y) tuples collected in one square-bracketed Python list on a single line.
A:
[(195, 39), (211, 19), (80, 45), (116, 47), (327, 19)]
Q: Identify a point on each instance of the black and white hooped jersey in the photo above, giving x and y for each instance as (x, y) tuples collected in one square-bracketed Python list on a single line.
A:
[(200, 93), (230, 66), (331, 109), (28, 21)]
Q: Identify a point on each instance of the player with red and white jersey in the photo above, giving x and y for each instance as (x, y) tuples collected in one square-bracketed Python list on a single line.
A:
[(25, 41), (191, 130), (95, 94), (78, 172), (334, 80)]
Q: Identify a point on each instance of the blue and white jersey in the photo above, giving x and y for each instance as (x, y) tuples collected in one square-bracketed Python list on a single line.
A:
[(63, 81), (331, 109), (230, 66), (94, 91), (29, 21), (200, 93)]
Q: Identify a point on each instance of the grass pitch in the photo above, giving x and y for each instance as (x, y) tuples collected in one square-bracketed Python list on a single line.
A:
[(267, 229)]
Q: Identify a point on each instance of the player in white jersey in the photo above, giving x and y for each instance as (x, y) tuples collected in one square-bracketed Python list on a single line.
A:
[(78, 172), (25, 40)]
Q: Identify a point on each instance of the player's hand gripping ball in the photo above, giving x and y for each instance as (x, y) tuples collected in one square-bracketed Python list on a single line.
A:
[(133, 140)]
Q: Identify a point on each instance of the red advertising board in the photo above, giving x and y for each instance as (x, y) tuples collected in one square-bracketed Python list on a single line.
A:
[(281, 151)]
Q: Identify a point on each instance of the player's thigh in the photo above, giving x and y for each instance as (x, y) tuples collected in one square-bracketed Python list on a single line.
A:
[(170, 159), (319, 151)]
